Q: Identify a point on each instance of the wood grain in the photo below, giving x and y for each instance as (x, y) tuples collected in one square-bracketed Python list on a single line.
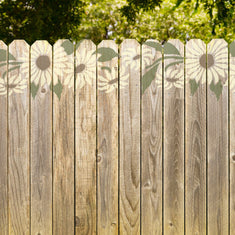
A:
[(232, 141), (18, 147), (173, 154), (151, 179), (41, 148), (217, 151), (195, 143), (3, 146), (107, 158), (85, 132), (130, 139), (63, 147)]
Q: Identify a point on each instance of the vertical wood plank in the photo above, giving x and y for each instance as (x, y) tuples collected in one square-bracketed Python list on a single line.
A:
[(130, 138), (85, 128), (3, 140), (217, 70), (151, 205), (107, 159), (41, 138), (173, 138), (63, 138), (18, 121), (195, 143), (232, 137)]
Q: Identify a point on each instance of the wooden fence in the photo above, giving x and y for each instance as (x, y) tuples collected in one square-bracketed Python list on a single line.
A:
[(115, 139)]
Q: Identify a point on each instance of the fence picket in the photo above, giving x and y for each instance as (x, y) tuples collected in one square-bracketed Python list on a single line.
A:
[(129, 84), (3, 141), (232, 137), (217, 111), (151, 131), (195, 134), (85, 128), (18, 124), (173, 137), (63, 138), (107, 158), (41, 129)]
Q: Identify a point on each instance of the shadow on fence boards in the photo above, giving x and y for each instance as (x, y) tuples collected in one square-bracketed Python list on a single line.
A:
[(117, 139)]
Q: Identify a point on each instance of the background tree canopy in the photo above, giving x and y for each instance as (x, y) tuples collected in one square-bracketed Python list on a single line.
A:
[(106, 19)]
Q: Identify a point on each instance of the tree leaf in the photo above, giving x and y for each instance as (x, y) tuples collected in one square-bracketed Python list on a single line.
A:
[(216, 88), (107, 54), (232, 49), (68, 47), (155, 45), (170, 49), (58, 89), (193, 86), (34, 89), (148, 78)]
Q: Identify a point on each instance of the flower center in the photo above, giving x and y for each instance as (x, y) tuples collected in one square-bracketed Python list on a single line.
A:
[(43, 62), (10, 86), (172, 79), (113, 81), (136, 57), (210, 60), (80, 68)]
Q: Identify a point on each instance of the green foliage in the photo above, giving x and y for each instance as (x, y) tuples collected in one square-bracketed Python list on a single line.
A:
[(117, 20), (39, 19)]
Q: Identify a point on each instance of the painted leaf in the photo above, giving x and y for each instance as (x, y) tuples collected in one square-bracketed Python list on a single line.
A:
[(34, 89), (217, 89), (58, 89), (170, 49), (9, 70), (68, 47), (155, 45), (107, 68), (3, 55), (193, 86), (107, 54), (174, 63), (232, 49), (148, 78)]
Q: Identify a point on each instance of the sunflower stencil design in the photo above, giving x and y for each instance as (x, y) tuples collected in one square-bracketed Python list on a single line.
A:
[(15, 85), (85, 68), (215, 61), (173, 76), (108, 81)]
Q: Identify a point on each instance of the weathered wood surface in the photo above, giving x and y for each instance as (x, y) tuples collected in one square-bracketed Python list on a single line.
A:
[(173, 148), (91, 143), (195, 139), (85, 135), (107, 143), (151, 152), (63, 142), (18, 147), (232, 137), (41, 146), (3, 142), (217, 139), (130, 137)]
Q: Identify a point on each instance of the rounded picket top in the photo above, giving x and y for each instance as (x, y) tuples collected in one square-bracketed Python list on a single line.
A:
[(85, 43), (195, 53), (232, 65), (130, 54), (217, 61), (41, 63)]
